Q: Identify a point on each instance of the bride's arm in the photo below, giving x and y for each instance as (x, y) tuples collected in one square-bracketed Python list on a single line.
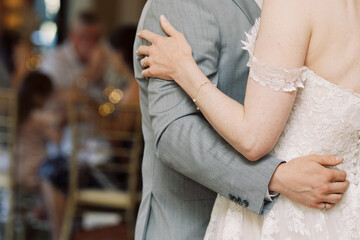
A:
[(253, 129)]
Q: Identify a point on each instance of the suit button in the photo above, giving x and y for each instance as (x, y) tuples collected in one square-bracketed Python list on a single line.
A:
[(245, 203), (238, 200), (232, 197)]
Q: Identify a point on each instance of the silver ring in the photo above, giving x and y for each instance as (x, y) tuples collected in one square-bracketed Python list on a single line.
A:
[(324, 208)]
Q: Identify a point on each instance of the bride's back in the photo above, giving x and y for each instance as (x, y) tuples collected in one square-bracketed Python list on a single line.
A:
[(335, 42)]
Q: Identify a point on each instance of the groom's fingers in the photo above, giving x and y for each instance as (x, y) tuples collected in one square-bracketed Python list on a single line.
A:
[(329, 206), (333, 198), (321, 205), (327, 160), (337, 175), (338, 187)]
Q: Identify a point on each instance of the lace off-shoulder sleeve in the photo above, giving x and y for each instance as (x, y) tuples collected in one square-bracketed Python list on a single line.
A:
[(276, 78)]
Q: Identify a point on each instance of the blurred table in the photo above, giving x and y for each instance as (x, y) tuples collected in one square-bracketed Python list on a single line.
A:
[(93, 153)]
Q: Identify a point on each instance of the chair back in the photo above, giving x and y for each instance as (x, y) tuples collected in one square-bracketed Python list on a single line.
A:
[(8, 121), (8, 126), (121, 130), (77, 117)]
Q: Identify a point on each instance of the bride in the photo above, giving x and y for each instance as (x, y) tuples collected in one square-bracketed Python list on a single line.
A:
[(302, 97)]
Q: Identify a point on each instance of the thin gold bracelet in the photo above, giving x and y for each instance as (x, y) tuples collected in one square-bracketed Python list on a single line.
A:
[(197, 92)]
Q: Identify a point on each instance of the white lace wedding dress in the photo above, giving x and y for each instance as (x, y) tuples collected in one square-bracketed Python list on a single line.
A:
[(325, 120)]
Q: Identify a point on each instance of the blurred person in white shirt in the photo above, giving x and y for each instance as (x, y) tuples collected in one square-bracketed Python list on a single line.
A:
[(80, 64)]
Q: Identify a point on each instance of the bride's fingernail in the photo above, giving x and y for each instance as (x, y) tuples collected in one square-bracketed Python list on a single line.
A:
[(163, 18), (339, 158)]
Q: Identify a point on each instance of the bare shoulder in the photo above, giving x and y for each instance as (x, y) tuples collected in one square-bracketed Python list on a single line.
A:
[(288, 10), (285, 32), (291, 17), (289, 4)]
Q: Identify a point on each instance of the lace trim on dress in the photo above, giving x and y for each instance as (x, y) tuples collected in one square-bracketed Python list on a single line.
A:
[(276, 78), (324, 120)]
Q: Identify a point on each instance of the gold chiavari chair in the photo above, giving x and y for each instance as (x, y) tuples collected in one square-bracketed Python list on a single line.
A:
[(8, 124), (126, 145)]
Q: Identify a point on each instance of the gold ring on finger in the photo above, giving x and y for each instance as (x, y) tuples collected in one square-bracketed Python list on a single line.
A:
[(144, 62)]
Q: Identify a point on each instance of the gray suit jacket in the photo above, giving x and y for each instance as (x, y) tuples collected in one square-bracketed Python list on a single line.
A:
[(185, 161)]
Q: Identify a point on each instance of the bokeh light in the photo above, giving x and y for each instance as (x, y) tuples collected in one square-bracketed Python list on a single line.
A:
[(13, 3), (52, 6), (46, 35), (33, 63), (115, 96), (106, 109), (107, 91), (13, 20), (48, 32)]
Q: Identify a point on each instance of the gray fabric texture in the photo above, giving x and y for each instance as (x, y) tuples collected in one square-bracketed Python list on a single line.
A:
[(185, 161)]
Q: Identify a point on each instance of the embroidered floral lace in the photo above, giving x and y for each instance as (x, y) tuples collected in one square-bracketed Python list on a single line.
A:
[(325, 120)]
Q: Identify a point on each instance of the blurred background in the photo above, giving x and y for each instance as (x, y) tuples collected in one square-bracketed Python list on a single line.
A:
[(70, 125)]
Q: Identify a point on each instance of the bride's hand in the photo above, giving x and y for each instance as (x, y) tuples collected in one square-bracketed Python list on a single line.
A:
[(167, 56)]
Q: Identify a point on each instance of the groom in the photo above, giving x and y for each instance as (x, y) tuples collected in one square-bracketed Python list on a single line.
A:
[(185, 161)]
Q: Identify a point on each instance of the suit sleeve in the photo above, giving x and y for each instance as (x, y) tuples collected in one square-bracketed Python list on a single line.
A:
[(184, 139)]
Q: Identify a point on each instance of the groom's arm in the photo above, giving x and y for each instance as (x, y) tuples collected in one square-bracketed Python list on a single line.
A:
[(184, 140)]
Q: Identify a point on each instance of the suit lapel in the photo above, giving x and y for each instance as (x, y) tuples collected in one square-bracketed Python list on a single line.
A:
[(249, 8)]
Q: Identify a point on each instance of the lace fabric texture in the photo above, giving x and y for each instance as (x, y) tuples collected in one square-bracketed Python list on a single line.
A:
[(325, 120), (276, 78)]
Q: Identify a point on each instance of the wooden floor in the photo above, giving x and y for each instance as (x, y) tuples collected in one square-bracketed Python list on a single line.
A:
[(109, 233)]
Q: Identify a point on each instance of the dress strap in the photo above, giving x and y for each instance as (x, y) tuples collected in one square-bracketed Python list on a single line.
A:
[(276, 78)]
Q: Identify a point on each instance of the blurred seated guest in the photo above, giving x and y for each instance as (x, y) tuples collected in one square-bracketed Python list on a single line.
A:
[(14, 53), (81, 62), (122, 41), (54, 173), (37, 125)]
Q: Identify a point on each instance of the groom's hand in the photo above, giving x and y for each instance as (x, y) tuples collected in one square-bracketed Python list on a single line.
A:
[(307, 181)]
